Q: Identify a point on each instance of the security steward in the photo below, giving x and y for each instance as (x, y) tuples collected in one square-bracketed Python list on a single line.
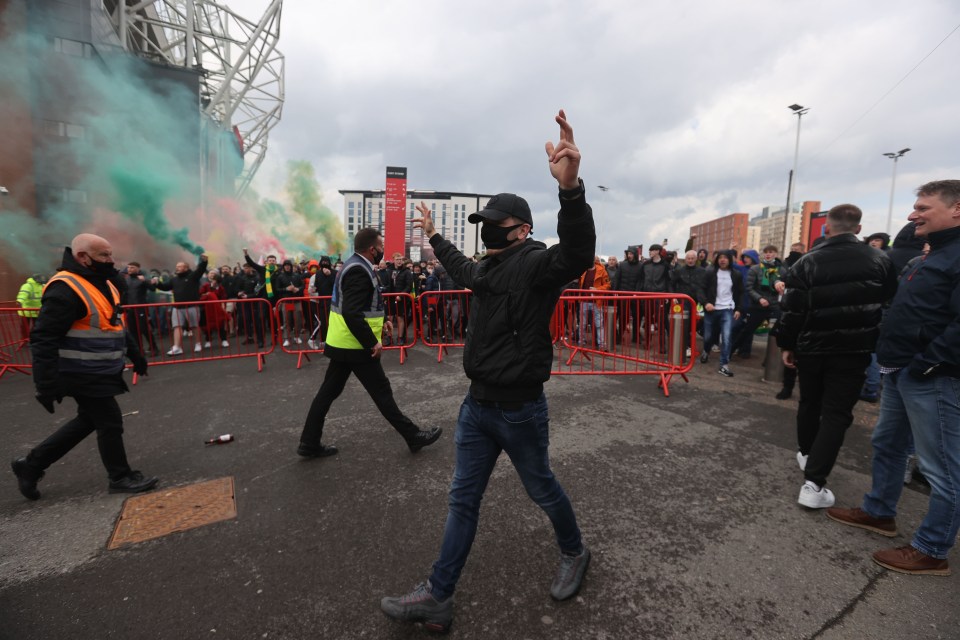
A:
[(78, 344), (353, 346)]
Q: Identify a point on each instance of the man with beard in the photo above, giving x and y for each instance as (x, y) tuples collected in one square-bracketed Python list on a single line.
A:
[(78, 343), (185, 285)]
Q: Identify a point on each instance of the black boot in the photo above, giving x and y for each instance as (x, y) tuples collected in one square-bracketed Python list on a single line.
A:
[(424, 438), (27, 478)]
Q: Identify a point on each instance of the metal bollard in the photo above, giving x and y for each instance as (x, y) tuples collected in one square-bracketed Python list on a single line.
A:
[(677, 315), (773, 363), (610, 321)]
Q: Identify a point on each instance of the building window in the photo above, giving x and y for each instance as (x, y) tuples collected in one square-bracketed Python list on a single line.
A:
[(73, 48), (62, 129)]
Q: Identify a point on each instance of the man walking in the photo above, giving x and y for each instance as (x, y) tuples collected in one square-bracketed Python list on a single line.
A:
[(919, 355), (831, 312), (353, 346), (515, 289), (78, 343)]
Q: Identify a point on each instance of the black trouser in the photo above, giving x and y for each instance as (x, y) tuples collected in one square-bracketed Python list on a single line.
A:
[(829, 387), (374, 380), (253, 321), (743, 341), (139, 325), (93, 414)]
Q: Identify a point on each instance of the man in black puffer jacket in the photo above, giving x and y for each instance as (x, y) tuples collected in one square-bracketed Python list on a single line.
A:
[(628, 277), (831, 312), (508, 357)]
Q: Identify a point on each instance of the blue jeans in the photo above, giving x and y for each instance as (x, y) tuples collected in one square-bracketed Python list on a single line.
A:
[(588, 309), (483, 431), (930, 410), (718, 326), (872, 386)]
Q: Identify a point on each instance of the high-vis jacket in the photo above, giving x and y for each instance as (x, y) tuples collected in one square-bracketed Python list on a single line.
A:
[(339, 335), (95, 343), (29, 298)]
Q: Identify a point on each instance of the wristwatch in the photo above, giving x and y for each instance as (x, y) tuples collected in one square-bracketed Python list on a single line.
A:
[(573, 194)]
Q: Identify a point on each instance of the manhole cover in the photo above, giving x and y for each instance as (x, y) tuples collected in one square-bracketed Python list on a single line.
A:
[(163, 512)]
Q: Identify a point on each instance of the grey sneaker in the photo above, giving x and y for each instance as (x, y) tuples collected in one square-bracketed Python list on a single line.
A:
[(570, 575), (420, 606)]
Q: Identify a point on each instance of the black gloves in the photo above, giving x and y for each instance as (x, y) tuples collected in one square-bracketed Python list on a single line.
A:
[(47, 400), (140, 366)]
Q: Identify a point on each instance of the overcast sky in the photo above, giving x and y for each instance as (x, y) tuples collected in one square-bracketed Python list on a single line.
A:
[(679, 107)]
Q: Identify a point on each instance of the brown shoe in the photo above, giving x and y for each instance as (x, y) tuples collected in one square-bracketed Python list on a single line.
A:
[(859, 518), (909, 560)]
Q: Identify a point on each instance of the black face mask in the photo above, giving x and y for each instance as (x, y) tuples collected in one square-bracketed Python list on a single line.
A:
[(495, 237), (104, 269)]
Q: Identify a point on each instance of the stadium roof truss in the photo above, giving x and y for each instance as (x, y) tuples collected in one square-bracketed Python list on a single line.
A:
[(242, 73)]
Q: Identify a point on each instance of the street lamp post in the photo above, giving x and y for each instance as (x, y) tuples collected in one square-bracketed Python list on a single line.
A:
[(893, 183), (773, 364)]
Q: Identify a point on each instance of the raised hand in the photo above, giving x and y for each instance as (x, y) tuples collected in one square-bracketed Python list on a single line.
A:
[(565, 156), (425, 222)]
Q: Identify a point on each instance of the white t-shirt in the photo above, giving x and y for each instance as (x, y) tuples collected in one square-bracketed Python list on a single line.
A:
[(724, 290)]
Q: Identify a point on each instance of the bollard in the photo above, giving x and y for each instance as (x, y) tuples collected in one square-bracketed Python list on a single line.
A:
[(610, 321), (773, 363), (677, 315)]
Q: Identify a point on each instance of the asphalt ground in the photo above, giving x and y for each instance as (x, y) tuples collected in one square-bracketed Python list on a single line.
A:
[(688, 504)]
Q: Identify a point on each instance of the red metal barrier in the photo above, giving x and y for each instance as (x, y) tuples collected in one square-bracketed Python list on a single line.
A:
[(303, 323), (15, 341), (204, 329), (625, 333), (442, 319), (401, 311)]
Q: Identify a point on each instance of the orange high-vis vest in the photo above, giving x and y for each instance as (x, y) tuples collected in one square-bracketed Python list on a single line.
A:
[(96, 342)]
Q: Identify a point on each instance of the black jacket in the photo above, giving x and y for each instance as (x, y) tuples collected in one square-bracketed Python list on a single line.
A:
[(285, 279), (509, 351), (655, 276), (186, 285), (262, 270), (60, 307), (834, 299), (357, 290), (628, 276), (137, 288), (922, 327), (710, 294), (691, 281)]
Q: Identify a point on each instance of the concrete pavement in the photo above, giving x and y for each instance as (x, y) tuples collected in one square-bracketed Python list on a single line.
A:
[(688, 503)]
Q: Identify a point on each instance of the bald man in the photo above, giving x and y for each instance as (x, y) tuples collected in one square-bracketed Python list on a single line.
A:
[(78, 343), (689, 279)]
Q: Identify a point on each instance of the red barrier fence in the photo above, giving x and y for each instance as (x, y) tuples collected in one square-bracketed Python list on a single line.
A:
[(202, 331), (594, 333), (625, 333), (15, 341)]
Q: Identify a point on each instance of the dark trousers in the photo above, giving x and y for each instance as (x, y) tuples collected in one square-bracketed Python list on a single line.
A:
[(374, 380), (743, 342), (93, 414), (139, 325), (829, 387)]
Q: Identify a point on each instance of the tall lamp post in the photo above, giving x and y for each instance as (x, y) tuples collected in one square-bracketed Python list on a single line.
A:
[(893, 183), (799, 111), (599, 247), (773, 364)]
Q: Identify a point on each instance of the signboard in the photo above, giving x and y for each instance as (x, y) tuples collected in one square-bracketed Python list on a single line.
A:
[(394, 223), (817, 220)]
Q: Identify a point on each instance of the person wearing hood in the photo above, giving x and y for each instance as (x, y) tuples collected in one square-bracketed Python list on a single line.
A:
[(185, 285), (703, 260), (29, 300), (507, 358), (628, 277), (879, 241), (78, 344), (761, 294), (906, 246)]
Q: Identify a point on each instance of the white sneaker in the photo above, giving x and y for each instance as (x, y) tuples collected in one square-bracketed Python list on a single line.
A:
[(198, 348), (206, 345), (812, 498), (801, 460), (298, 340), (189, 334), (175, 351), (224, 344), (908, 471), (312, 344), (286, 343), (688, 352)]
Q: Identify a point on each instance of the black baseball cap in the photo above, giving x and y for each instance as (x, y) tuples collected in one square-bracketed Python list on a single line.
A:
[(503, 205)]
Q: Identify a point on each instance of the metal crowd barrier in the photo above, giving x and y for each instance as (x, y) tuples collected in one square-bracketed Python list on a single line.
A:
[(15, 340), (210, 330), (625, 333), (442, 319)]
